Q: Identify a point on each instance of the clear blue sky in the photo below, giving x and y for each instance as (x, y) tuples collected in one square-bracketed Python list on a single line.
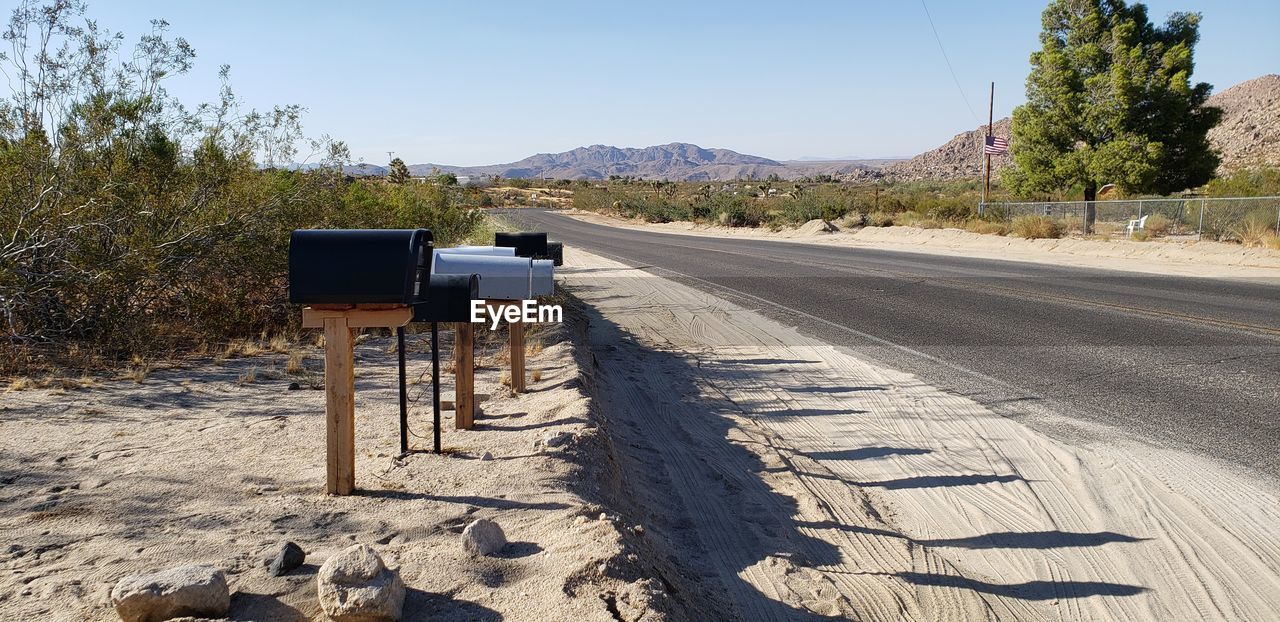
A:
[(488, 82)]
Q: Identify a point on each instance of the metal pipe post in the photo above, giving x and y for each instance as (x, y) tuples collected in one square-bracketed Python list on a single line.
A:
[(404, 395), (435, 381)]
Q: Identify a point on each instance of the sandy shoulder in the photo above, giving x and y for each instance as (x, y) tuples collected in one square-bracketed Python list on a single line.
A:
[(795, 480), (1195, 259), (192, 467)]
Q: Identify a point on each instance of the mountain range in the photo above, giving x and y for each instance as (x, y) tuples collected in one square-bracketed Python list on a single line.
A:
[(1248, 135)]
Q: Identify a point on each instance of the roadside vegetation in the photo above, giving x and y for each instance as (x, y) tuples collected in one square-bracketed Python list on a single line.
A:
[(133, 227)]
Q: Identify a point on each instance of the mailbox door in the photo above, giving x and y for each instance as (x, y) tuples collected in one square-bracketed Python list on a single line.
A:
[(448, 298), (543, 277)]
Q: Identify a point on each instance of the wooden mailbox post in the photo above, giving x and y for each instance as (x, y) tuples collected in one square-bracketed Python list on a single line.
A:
[(339, 382)]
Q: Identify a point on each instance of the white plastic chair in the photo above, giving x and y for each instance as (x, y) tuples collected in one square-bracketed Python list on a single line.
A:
[(1134, 225)]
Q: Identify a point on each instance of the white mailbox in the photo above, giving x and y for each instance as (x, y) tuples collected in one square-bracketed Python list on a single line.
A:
[(544, 272), (501, 278), (497, 251)]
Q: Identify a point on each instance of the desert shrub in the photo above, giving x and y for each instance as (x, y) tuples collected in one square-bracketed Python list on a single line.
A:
[(1141, 235), (1158, 225), (1258, 182), (947, 209), (986, 227), (1256, 227), (741, 212), (853, 219), (1272, 242), (879, 219), (131, 228), (1035, 227), (592, 200)]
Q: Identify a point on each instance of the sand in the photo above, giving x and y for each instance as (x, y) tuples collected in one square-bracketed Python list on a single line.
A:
[(192, 467), (785, 479), (1205, 259)]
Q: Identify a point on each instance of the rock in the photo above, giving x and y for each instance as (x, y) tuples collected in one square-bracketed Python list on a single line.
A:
[(193, 590), (486, 456), (556, 439), (581, 520), (355, 586), (638, 529), (293, 386), (289, 557), (483, 537)]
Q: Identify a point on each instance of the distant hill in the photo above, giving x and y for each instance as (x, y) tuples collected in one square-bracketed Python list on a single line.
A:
[(1249, 134), (959, 158), (674, 161)]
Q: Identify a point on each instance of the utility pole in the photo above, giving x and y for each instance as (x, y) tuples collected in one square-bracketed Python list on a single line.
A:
[(991, 112), (389, 154)]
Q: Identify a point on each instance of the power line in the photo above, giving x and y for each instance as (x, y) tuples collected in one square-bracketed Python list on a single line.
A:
[(949, 67)]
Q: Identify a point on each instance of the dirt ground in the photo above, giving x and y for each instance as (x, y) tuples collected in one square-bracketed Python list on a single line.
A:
[(194, 465), (785, 479), (1173, 257)]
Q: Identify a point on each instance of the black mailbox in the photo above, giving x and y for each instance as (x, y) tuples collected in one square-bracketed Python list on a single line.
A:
[(526, 244), (555, 252), (359, 266), (448, 298)]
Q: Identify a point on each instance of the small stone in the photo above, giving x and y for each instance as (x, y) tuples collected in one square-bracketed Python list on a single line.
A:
[(194, 590), (638, 529), (355, 586), (483, 537), (581, 520), (289, 557), (604, 516), (486, 456), (293, 386), (556, 439)]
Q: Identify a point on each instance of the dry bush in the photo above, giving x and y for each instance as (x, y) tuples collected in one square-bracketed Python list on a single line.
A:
[(296, 363), (278, 344), (1158, 225), (505, 379), (249, 376), (535, 375), (1035, 227), (1256, 228), (879, 219), (1141, 235), (986, 227), (1272, 242)]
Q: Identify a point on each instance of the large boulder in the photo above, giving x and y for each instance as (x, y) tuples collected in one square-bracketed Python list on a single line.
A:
[(355, 586), (194, 590)]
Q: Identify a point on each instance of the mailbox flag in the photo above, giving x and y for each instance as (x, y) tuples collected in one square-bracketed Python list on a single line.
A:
[(996, 146)]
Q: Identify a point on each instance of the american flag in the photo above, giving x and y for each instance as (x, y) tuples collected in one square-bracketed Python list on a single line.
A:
[(996, 146)]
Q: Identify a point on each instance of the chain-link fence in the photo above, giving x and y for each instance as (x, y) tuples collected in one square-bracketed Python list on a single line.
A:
[(1212, 218)]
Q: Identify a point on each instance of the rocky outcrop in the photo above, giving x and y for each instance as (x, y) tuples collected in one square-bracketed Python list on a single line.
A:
[(960, 158), (1249, 134)]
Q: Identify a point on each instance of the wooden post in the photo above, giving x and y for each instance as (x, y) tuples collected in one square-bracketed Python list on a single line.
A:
[(516, 333), (463, 376), (340, 381), (340, 406)]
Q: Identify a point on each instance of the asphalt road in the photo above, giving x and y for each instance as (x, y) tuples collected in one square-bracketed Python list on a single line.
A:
[(1181, 362)]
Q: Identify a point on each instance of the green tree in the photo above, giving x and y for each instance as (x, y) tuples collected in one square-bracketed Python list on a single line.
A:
[(397, 173), (1110, 100)]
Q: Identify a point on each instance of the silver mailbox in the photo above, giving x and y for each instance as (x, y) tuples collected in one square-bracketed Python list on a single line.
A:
[(497, 251), (544, 272), (501, 278)]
